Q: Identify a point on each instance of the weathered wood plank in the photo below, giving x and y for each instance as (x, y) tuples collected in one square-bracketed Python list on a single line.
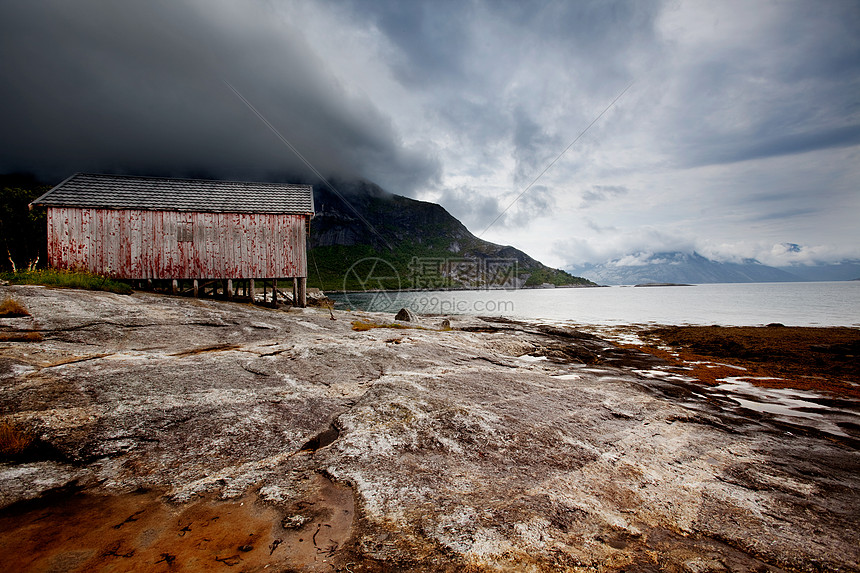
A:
[(302, 299), (172, 245)]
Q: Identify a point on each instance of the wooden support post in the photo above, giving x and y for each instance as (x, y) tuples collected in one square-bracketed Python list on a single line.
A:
[(295, 291), (252, 289), (274, 293), (230, 289), (195, 288), (174, 286), (302, 300)]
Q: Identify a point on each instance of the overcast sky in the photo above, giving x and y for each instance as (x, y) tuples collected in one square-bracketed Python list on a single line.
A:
[(739, 135)]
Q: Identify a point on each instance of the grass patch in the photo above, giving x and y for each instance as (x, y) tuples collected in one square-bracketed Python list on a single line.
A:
[(18, 336), (11, 308), (13, 440), (67, 279), (361, 326)]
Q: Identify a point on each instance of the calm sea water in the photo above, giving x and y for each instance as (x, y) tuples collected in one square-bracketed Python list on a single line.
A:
[(792, 304)]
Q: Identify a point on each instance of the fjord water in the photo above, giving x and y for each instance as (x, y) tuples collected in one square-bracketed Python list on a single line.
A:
[(733, 304)]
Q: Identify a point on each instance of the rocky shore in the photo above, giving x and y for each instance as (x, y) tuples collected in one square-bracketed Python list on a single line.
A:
[(169, 434)]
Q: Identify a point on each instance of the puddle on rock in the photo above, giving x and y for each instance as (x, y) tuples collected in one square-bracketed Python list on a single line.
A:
[(321, 440), (794, 406), (142, 532)]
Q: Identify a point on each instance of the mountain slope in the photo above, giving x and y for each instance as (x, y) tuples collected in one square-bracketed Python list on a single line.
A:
[(382, 240), (678, 267)]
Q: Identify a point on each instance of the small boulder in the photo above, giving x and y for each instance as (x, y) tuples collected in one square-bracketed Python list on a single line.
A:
[(406, 315)]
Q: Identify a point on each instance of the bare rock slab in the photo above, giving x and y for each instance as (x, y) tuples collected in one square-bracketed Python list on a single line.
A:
[(493, 446)]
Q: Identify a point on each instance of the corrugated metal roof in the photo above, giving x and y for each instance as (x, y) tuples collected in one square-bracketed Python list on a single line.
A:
[(165, 194)]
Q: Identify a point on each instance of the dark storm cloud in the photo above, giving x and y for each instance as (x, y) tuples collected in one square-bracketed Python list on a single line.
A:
[(444, 40), (771, 143), (532, 148), (473, 209), (783, 215), (537, 202), (600, 193), (432, 37), (791, 87), (508, 70), (139, 87)]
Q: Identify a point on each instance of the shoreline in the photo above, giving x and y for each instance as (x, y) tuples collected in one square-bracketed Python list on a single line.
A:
[(462, 289), (795, 304), (810, 358), (497, 445)]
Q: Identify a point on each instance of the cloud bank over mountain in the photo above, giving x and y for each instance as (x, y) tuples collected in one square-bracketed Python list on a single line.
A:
[(684, 268)]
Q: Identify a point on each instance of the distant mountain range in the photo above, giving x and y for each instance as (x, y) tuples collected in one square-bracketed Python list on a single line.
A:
[(363, 237), (678, 267), (843, 271)]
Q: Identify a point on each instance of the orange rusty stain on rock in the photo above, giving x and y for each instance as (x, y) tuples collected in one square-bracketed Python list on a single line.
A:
[(815, 359), (142, 532)]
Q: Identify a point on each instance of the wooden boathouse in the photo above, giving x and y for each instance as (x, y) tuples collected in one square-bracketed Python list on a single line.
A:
[(182, 230)]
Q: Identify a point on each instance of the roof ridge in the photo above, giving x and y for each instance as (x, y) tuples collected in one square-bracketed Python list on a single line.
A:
[(129, 192), (160, 178)]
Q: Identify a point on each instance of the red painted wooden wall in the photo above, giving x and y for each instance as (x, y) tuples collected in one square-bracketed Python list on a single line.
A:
[(177, 245)]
